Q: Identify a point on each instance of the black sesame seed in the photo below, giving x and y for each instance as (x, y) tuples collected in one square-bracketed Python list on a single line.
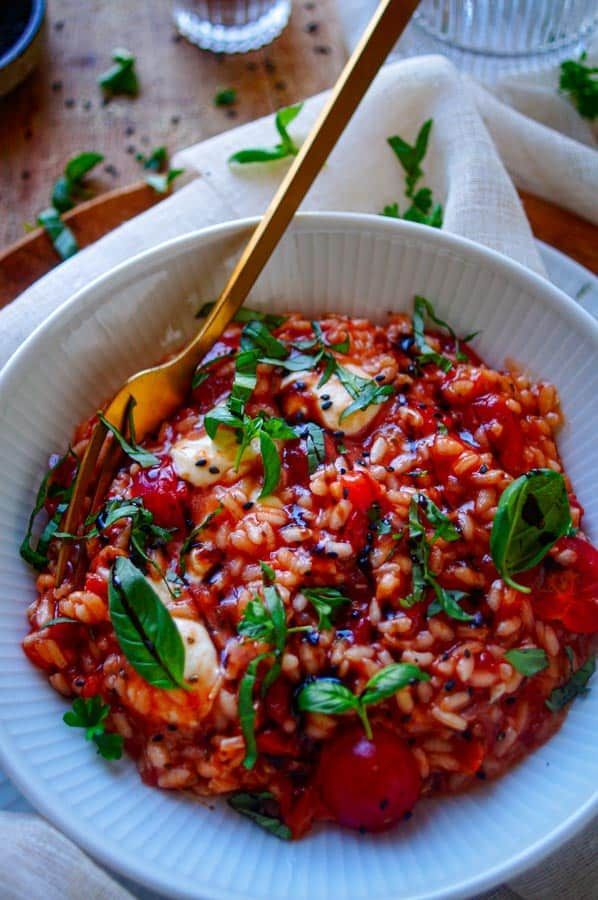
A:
[(324, 396), (327, 404), (280, 86), (174, 120), (69, 102), (300, 385), (312, 27), (511, 700), (156, 738), (79, 682), (390, 468), (201, 462), (343, 471), (332, 554), (248, 505), (380, 378), (322, 49), (172, 727), (129, 130), (483, 469), (57, 86), (501, 736), (345, 493), (338, 434), (269, 66), (450, 684), (214, 470), (407, 815), (481, 775), (467, 653)]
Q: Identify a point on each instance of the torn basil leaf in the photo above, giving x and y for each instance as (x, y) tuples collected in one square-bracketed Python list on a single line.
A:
[(121, 78), (286, 147), (325, 600), (62, 237), (527, 660), (575, 687), (130, 446), (262, 809), (37, 556)]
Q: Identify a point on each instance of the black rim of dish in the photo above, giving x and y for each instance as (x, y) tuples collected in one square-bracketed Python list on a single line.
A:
[(38, 9)]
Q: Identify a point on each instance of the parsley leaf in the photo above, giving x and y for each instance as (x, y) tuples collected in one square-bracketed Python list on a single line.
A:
[(581, 83), (121, 78), (38, 556), (285, 148), (325, 600), (575, 687), (68, 186), (262, 809), (90, 714), (527, 660), (225, 97), (62, 237), (130, 446)]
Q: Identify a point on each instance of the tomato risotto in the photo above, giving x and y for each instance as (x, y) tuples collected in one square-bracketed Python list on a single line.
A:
[(347, 573)]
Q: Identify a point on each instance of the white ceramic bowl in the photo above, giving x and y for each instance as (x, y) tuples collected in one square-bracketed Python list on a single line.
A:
[(361, 265)]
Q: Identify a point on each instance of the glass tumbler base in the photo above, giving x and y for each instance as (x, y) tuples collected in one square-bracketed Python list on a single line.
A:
[(233, 38)]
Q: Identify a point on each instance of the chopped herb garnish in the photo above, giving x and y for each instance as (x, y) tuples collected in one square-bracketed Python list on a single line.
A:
[(144, 629), (90, 713), (581, 83), (160, 175), (575, 687), (247, 708), (225, 97), (262, 809), (245, 314), (38, 556), (364, 391), (144, 531), (121, 78), (68, 188), (315, 443), (130, 446), (533, 513), (325, 600), (331, 697), (59, 620), (203, 372), (62, 237), (421, 309), (528, 660), (422, 209), (191, 538), (286, 146)]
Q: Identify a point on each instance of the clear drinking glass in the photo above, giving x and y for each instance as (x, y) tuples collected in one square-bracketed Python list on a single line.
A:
[(508, 28), (231, 26)]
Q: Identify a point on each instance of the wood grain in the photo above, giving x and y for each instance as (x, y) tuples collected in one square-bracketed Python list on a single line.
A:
[(59, 111)]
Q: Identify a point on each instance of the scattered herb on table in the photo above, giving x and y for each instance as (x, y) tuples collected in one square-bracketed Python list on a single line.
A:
[(533, 513), (120, 78), (581, 83), (69, 187), (331, 697), (422, 209), (286, 147), (90, 713), (528, 660), (62, 237), (160, 176), (37, 556), (262, 809), (144, 629), (575, 687), (225, 97)]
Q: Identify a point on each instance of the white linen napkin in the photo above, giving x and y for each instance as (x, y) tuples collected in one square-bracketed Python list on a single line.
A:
[(467, 176)]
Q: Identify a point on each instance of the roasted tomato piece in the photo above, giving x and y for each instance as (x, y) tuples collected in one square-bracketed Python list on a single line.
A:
[(490, 411), (570, 595), (163, 493), (361, 489), (368, 784)]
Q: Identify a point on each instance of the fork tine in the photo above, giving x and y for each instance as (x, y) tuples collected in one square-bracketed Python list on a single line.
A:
[(73, 514)]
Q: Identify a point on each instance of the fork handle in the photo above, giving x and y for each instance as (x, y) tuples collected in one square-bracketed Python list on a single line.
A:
[(383, 31)]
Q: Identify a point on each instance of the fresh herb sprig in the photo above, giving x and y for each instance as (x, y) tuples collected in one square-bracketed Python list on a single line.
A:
[(330, 696), (225, 97), (130, 446), (144, 629), (533, 513), (120, 78), (90, 713), (286, 146), (160, 175), (262, 809), (422, 209), (446, 601), (37, 556), (577, 686), (581, 83), (63, 239)]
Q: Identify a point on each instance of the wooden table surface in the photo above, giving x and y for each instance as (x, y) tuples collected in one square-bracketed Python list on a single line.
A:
[(59, 111)]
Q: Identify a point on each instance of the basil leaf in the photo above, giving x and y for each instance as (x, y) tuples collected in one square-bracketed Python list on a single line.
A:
[(110, 746), (326, 695), (389, 680), (244, 381), (533, 513), (271, 463), (268, 573), (225, 97), (202, 373), (189, 541), (89, 713), (287, 147), (130, 447), (421, 306), (62, 237), (278, 429), (245, 314), (528, 660), (69, 183), (256, 335), (38, 556), (247, 709), (162, 181), (315, 445), (448, 602), (220, 415), (256, 622), (580, 82), (79, 166), (575, 687), (255, 807), (121, 78), (144, 628), (391, 211), (59, 620), (325, 601), (363, 391), (444, 527)]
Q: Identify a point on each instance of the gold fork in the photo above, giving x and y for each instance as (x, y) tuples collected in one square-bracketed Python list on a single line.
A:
[(158, 391)]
